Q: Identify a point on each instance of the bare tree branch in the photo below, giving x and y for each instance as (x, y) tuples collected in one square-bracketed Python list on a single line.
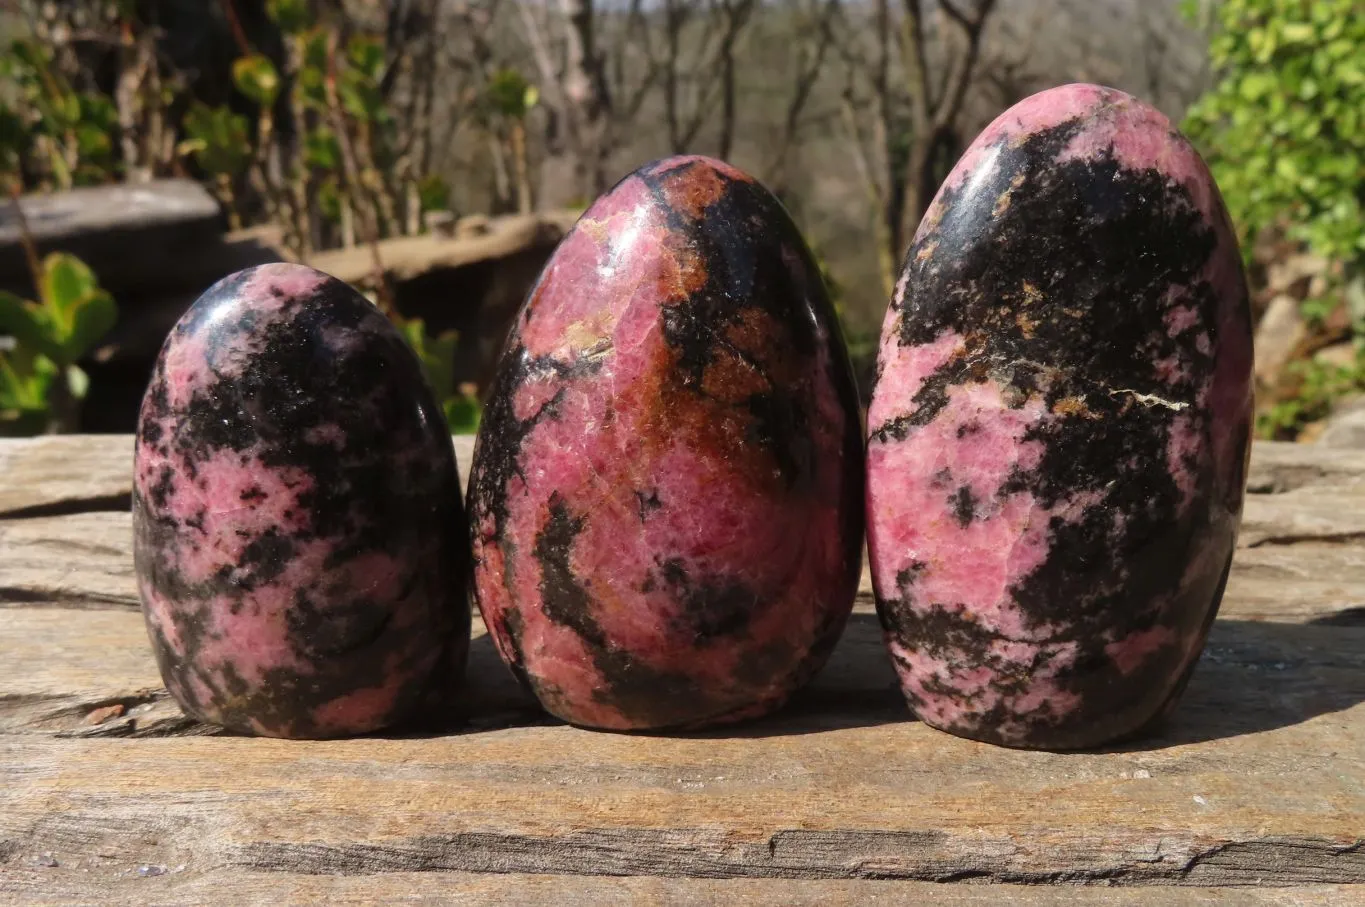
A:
[(955, 88), (808, 73)]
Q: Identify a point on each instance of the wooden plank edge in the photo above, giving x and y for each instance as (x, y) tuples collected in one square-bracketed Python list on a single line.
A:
[(175, 886)]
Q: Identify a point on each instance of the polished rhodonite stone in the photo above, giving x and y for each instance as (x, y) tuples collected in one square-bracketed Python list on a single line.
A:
[(666, 492), (299, 538), (1059, 428)]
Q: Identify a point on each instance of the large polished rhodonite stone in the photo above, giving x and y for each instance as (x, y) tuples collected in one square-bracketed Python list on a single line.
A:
[(1059, 428), (666, 492), (299, 539)]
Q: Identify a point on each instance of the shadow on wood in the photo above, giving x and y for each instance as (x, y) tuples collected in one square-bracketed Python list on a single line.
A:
[(1256, 677)]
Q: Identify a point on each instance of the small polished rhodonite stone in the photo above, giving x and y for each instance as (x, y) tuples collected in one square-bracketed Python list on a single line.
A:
[(299, 538), (1058, 433), (666, 492)]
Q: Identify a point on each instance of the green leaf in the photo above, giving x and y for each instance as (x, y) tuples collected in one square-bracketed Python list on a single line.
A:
[(255, 76), (329, 199), (218, 139), (25, 377), (93, 141), (321, 149), (1256, 85), (27, 324), (360, 98), (433, 193), (290, 15), (77, 381), (509, 93), (1297, 32), (463, 414), (94, 318), (365, 54), (66, 282)]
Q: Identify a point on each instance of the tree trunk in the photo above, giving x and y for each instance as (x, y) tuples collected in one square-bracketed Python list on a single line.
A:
[(587, 111)]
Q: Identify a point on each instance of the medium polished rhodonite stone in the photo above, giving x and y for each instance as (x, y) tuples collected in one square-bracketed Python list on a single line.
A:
[(1059, 428), (299, 538), (666, 492)]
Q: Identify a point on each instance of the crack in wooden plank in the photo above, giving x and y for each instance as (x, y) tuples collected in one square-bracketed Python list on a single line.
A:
[(110, 503), (1305, 537), (802, 854), (74, 599), (1348, 617)]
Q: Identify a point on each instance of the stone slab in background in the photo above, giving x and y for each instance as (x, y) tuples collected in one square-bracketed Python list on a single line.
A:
[(134, 236), (1345, 429)]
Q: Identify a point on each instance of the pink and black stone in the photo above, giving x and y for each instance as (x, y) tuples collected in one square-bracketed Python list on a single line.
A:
[(299, 538), (666, 492), (1059, 428)]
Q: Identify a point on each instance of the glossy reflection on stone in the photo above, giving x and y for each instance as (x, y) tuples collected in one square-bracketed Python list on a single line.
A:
[(666, 492), (299, 536), (1059, 429)]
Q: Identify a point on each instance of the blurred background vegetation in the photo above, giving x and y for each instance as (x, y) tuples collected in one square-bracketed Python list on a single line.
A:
[(432, 150)]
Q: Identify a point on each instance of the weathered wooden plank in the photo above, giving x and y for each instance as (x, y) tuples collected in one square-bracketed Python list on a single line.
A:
[(166, 886), (1280, 466), (411, 256), (78, 560), (894, 800), (1320, 582), (1324, 513), (1260, 775), (61, 474)]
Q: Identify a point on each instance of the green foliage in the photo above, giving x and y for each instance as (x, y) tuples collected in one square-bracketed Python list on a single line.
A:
[(256, 77), (321, 149), (463, 411), (26, 380), (310, 81), (437, 354), (70, 131), (14, 140), (433, 193), (1284, 129), (291, 16), (1322, 384), (860, 342), (359, 81), (49, 336), (509, 94), (1284, 133), (217, 138), (329, 198)]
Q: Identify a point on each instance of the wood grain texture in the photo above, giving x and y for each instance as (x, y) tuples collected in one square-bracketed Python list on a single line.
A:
[(411, 256), (1260, 776), (73, 561), (156, 884), (1254, 792)]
